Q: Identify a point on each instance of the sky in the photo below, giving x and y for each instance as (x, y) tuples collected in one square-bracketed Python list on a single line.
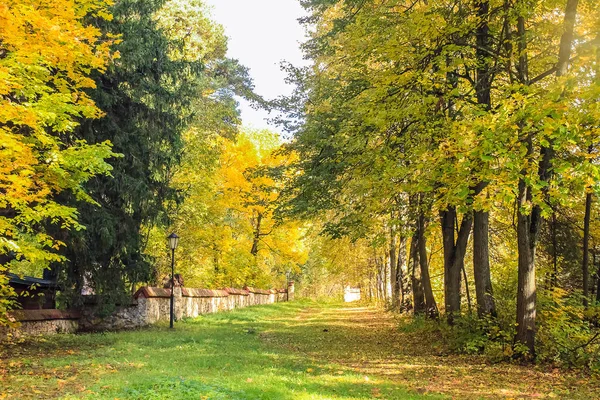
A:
[(262, 34)]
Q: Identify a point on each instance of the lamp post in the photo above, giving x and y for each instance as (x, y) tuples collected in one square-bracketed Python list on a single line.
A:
[(173, 241)]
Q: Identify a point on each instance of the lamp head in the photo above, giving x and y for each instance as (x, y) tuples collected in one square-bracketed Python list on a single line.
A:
[(173, 241)]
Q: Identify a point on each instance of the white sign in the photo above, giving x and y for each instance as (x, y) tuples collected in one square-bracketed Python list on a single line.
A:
[(351, 294)]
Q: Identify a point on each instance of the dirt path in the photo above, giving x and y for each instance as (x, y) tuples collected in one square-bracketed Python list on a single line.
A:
[(368, 341)]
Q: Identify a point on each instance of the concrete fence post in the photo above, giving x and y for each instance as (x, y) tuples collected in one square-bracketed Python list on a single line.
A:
[(179, 306)]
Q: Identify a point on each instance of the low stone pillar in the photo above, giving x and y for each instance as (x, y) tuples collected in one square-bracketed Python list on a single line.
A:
[(178, 303), (290, 291)]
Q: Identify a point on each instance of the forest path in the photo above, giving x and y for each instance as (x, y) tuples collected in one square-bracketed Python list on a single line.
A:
[(382, 347)]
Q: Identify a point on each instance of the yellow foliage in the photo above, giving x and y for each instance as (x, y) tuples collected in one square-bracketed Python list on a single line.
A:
[(229, 234), (47, 53)]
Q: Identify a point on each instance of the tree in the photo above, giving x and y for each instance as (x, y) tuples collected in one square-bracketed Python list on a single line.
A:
[(172, 75), (47, 53), (529, 221)]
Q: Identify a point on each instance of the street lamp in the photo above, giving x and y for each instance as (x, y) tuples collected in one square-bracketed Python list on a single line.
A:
[(173, 242)]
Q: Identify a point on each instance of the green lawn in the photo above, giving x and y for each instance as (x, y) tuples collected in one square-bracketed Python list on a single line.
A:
[(298, 350), (220, 356)]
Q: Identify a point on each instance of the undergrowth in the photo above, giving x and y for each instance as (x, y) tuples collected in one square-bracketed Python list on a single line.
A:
[(568, 335)]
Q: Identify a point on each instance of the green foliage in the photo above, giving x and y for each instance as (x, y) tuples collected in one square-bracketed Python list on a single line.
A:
[(169, 84), (487, 336), (6, 299), (145, 97), (567, 333), (469, 335)]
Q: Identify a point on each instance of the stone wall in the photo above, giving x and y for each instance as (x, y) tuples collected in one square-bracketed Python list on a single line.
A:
[(42, 322), (152, 305), (149, 306)]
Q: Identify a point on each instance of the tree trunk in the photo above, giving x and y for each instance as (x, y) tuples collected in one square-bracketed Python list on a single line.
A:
[(597, 281), (483, 85), (526, 241), (371, 286), (399, 280), (417, 283), (378, 274), (554, 280), (454, 258), (385, 265), (451, 278), (526, 289), (481, 266), (256, 238), (586, 249), (382, 277), (431, 306), (393, 271), (467, 291), (481, 256)]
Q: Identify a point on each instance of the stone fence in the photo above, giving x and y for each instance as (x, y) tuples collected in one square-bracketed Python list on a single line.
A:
[(149, 306), (43, 322)]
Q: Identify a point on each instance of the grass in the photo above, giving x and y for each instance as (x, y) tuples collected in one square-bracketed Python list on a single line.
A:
[(220, 356), (299, 350)]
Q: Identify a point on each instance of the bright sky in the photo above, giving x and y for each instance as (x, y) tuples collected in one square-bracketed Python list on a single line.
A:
[(262, 33)]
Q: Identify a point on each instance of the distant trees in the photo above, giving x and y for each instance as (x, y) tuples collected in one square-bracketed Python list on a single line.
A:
[(232, 237)]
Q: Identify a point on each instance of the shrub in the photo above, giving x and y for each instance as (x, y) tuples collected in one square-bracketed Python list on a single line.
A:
[(568, 334)]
